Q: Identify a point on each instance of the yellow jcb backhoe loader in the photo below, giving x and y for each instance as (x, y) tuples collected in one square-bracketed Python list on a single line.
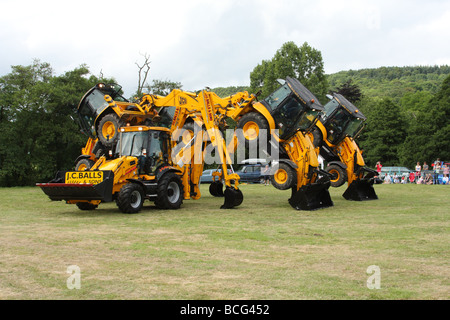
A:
[(145, 165), (334, 137), (101, 112), (285, 117)]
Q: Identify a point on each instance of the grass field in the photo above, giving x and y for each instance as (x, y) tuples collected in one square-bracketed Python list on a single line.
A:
[(263, 249)]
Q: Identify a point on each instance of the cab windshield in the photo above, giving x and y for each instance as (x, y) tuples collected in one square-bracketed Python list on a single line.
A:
[(342, 124), (292, 117), (91, 106), (329, 108), (353, 127), (278, 96), (133, 143)]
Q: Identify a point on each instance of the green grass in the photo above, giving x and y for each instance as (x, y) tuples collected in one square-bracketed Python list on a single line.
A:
[(263, 249)]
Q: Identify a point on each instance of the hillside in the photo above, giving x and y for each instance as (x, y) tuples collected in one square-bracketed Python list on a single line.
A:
[(392, 82)]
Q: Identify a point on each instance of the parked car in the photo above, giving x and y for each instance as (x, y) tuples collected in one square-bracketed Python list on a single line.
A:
[(400, 171), (207, 176), (251, 173)]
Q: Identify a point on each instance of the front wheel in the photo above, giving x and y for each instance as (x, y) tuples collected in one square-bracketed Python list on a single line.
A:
[(339, 175), (170, 191), (284, 177), (130, 198)]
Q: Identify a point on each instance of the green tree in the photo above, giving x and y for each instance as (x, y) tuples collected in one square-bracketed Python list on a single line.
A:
[(38, 135), (162, 87), (384, 133), (304, 63), (350, 91), (429, 135)]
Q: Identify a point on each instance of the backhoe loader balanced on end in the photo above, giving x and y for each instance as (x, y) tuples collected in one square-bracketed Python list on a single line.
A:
[(287, 116), (334, 137)]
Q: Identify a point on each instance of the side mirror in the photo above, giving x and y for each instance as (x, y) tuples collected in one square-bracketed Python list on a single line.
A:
[(281, 81)]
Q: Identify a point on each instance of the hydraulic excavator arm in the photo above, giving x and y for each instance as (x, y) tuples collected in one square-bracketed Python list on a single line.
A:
[(206, 111)]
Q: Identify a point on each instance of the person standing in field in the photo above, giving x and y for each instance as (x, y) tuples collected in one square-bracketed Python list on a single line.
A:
[(418, 169), (379, 166), (266, 175), (437, 168)]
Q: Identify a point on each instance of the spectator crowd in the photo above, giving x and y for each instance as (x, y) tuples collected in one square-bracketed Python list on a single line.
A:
[(423, 174)]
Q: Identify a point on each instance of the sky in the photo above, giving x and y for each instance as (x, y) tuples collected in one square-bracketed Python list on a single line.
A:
[(206, 43)]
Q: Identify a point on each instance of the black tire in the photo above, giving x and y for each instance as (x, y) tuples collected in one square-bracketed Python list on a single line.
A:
[(83, 165), (283, 177), (130, 198), (170, 192), (251, 125), (339, 175), (99, 150), (317, 137), (85, 206), (108, 129)]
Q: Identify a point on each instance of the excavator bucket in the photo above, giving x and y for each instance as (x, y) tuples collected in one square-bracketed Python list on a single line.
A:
[(216, 189), (58, 189), (311, 197), (361, 190), (233, 198)]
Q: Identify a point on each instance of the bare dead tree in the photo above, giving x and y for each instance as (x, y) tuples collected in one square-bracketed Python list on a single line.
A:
[(144, 69)]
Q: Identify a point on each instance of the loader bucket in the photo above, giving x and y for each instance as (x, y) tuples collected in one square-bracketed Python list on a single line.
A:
[(311, 197), (233, 198), (360, 190), (58, 190), (216, 189)]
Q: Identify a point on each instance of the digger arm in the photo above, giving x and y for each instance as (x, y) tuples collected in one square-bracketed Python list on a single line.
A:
[(204, 110)]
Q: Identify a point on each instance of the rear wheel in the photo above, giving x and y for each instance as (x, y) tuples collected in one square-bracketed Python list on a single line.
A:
[(339, 175), (284, 177), (108, 129), (254, 126), (130, 198), (170, 192)]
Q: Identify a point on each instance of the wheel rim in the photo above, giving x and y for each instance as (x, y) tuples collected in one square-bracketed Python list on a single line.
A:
[(281, 176), (251, 130), (335, 175), (136, 199), (109, 129), (173, 192), (82, 167)]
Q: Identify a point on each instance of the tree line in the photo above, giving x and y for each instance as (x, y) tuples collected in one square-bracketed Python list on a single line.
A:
[(38, 134)]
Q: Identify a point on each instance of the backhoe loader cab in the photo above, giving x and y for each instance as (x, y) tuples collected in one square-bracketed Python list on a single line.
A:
[(102, 111), (93, 104), (142, 170), (334, 136), (151, 146), (342, 119), (293, 108)]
